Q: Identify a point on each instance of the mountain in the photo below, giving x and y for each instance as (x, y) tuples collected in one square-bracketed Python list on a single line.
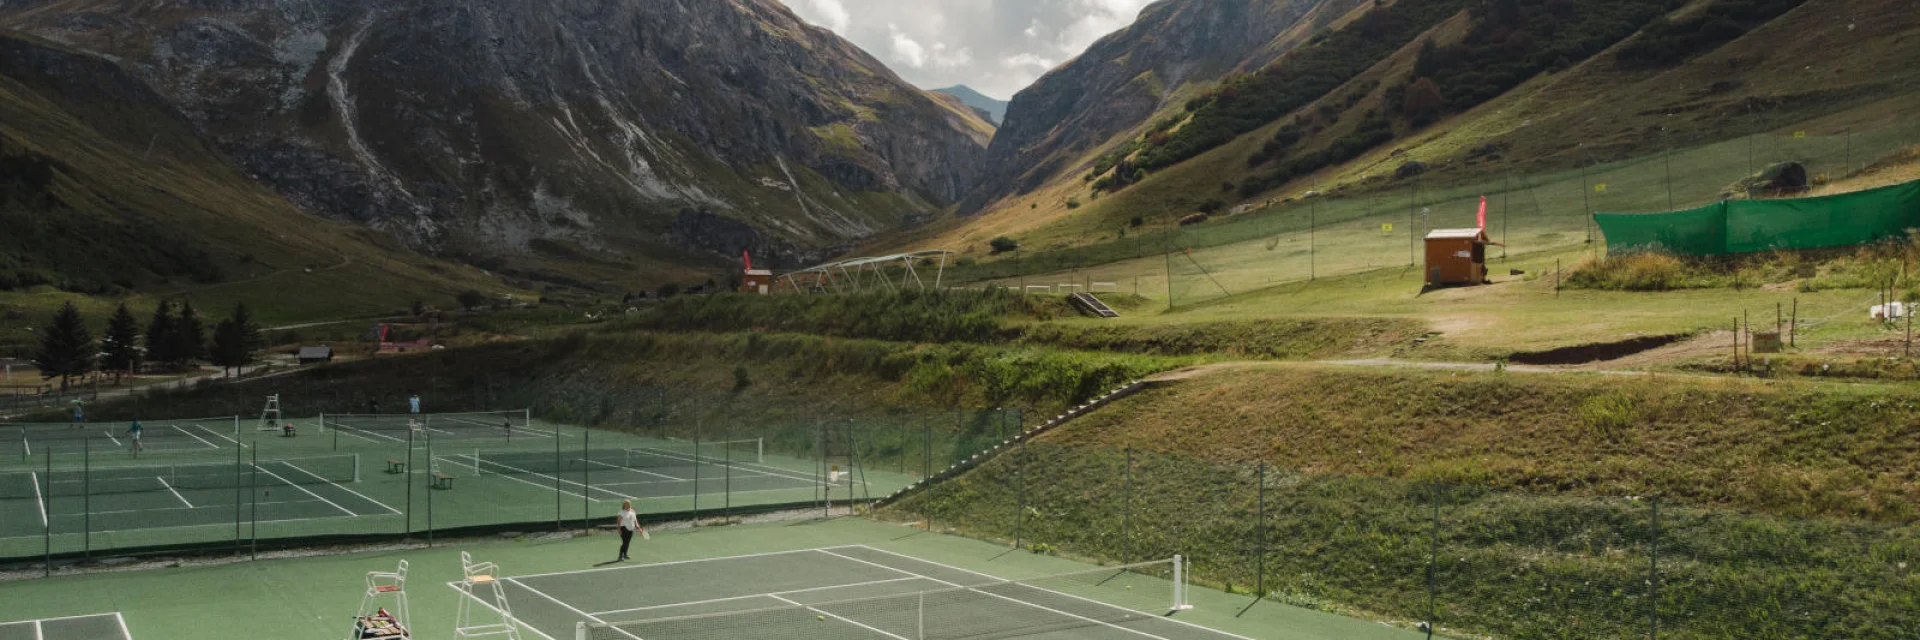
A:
[(994, 108), (1340, 97), (546, 139), (1174, 49), (106, 189)]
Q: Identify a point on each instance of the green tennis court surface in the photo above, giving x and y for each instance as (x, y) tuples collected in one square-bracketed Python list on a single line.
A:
[(169, 436), (857, 592), (106, 626), (313, 598)]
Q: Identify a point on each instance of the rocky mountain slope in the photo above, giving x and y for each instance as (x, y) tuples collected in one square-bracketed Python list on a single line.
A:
[(533, 136), (1174, 49), (994, 108)]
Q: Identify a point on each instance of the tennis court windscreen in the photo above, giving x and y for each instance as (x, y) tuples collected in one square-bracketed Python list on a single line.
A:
[(338, 469), (1065, 604)]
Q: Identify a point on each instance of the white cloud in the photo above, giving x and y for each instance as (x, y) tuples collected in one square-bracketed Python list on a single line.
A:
[(827, 13), (995, 46), (907, 50)]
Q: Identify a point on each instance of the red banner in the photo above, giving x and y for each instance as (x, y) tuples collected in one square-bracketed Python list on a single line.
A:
[(1483, 213)]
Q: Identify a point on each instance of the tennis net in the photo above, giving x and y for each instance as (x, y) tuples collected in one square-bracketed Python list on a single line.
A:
[(142, 479), (489, 422), (1110, 597)]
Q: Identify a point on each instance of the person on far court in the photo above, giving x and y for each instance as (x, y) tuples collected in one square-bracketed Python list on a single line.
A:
[(373, 406), (79, 415), (413, 403), (629, 523), (507, 423), (133, 433)]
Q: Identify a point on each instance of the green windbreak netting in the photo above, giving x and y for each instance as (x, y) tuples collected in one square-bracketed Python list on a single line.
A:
[(1694, 232), (1746, 226), (1832, 221)]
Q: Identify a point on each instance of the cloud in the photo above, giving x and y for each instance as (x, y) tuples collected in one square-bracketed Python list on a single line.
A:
[(826, 13), (907, 50), (995, 46)]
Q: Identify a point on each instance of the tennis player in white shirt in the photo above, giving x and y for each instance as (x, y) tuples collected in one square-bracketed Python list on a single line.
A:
[(629, 523)]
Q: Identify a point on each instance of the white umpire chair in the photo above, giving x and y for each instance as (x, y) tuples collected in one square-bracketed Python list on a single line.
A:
[(383, 584), (483, 575)]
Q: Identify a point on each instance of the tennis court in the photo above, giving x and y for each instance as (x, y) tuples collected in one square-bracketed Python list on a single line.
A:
[(849, 592), (636, 473), (170, 436), (106, 626), (134, 498)]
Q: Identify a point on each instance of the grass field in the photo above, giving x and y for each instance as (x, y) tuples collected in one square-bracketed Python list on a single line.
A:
[(1516, 505)]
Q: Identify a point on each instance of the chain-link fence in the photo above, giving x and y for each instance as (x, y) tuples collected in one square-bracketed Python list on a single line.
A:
[(75, 491), (1468, 560)]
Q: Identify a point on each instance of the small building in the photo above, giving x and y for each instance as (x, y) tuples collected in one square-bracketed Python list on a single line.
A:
[(316, 355), (757, 281), (1457, 257)]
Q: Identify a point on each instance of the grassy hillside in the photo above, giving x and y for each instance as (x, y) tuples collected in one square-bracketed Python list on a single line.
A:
[(1491, 505), (1816, 82)]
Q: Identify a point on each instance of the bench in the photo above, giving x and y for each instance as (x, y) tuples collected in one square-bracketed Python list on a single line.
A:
[(442, 481), (396, 466)]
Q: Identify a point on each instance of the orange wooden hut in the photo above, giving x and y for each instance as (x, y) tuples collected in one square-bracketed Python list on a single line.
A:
[(1457, 257)]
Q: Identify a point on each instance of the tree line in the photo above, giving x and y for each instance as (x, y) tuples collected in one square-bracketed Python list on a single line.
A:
[(175, 339)]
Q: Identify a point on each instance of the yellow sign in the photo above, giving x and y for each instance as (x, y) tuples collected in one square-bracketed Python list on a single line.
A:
[(1600, 188), (1799, 134), (1388, 227)]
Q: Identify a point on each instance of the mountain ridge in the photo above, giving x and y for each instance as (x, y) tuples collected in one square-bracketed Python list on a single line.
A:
[(513, 136), (994, 108)]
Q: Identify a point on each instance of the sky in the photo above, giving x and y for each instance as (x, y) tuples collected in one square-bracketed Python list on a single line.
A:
[(998, 47)]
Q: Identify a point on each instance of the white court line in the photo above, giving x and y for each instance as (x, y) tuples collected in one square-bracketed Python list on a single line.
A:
[(204, 441), (615, 466), (228, 525), (762, 468), (510, 619), (831, 614), (221, 436), (569, 607), (752, 596), (352, 431), (674, 562), (316, 496), (1006, 598), (39, 500), (37, 632), (124, 633), (109, 432), (316, 476), (561, 480), (541, 486), (176, 494), (983, 575)]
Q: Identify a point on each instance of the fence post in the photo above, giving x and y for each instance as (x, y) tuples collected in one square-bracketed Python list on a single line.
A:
[(1793, 329), (1433, 560), (253, 509), (46, 506), (86, 497), (586, 478), (1260, 535), (1653, 575), (1126, 517), (1020, 490), (430, 492), (558, 524), (407, 476)]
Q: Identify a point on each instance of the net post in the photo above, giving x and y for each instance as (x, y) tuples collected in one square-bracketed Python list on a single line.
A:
[(920, 627), (46, 506), (1180, 584)]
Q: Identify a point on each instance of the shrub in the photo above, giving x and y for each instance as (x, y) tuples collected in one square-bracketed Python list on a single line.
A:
[(1211, 207), (1004, 244), (1073, 203)]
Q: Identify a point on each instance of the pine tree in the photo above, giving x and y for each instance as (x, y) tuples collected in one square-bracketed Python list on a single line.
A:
[(235, 340), (66, 348), (122, 343), (189, 336), (160, 335)]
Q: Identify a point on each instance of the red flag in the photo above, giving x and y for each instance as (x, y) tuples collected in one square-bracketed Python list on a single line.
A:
[(1483, 213), (749, 257)]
